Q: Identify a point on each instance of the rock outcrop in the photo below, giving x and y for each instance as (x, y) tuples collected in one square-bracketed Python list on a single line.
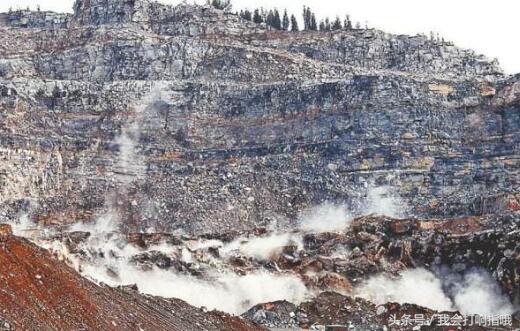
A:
[(190, 118)]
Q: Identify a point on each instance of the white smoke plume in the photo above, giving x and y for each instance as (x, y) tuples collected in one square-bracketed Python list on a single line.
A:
[(383, 200), (476, 292), (130, 164), (106, 223), (226, 292), (108, 261), (327, 217), (330, 217), (263, 248), (417, 286), (23, 225)]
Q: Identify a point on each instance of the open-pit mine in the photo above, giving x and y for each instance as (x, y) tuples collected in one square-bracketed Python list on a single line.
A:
[(184, 168)]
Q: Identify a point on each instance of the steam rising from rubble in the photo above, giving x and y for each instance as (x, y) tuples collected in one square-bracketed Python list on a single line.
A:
[(326, 218), (383, 200), (106, 223), (109, 262), (329, 217), (23, 225), (263, 248), (226, 292), (107, 257), (476, 292), (417, 286)]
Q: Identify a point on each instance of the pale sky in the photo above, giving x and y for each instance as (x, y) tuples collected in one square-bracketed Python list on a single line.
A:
[(489, 27)]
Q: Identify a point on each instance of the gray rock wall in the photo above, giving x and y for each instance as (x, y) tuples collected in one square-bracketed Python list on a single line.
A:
[(34, 19), (169, 126)]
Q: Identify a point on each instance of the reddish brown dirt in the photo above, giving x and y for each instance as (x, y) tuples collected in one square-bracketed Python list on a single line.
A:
[(38, 292)]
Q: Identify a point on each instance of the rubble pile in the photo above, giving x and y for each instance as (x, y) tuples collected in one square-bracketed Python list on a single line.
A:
[(371, 245), (331, 309), (333, 266)]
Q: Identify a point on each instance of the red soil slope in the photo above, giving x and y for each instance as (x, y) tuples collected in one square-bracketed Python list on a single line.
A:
[(38, 292)]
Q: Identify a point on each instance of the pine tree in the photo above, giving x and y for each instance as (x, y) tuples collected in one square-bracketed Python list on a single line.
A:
[(337, 24), (270, 18), (294, 24), (348, 23), (257, 18), (305, 22), (327, 24), (322, 26), (277, 21), (285, 21), (307, 19), (247, 15), (313, 25)]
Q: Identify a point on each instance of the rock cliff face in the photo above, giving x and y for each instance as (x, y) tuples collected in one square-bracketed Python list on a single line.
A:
[(190, 118)]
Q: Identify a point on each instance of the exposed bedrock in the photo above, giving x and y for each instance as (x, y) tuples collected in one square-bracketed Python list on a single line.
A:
[(188, 117)]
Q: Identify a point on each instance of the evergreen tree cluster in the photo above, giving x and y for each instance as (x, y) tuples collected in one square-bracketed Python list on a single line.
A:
[(285, 22), (328, 25), (271, 18), (309, 20)]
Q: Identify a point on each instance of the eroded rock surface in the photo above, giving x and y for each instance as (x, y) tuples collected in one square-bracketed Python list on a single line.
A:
[(189, 117)]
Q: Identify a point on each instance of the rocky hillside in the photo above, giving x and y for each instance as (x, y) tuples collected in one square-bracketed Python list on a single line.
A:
[(190, 118)]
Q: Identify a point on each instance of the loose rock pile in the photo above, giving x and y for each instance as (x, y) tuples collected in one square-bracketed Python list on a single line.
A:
[(331, 261)]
